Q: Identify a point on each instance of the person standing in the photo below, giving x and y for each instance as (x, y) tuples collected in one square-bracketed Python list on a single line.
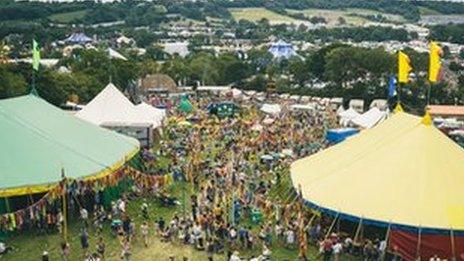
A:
[(210, 249), (84, 240), (144, 229), (101, 247), (327, 248), (84, 217), (126, 250), (65, 251)]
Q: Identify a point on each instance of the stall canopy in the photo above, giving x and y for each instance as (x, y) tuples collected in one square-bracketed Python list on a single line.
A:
[(370, 118), (185, 105), (347, 116), (303, 107), (110, 106), (403, 173), (39, 140), (339, 135), (271, 108), (223, 109), (116, 55)]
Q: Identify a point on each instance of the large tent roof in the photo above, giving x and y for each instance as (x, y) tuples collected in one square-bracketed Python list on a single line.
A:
[(39, 140), (400, 172), (110, 106)]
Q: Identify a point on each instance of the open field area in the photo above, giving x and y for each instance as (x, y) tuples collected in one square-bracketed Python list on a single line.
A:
[(350, 15), (256, 14), (68, 17), (442, 19), (427, 11)]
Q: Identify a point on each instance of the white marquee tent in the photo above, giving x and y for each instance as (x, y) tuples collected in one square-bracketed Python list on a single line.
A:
[(110, 106), (151, 113)]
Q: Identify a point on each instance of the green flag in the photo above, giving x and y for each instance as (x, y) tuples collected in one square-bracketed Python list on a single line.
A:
[(35, 55)]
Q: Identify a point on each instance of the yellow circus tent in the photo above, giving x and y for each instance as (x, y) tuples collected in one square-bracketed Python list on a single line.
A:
[(403, 172)]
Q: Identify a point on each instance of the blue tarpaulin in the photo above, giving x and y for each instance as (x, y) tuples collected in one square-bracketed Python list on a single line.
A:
[(339, 135)]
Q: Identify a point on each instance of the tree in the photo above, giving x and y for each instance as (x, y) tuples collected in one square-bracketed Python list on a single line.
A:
[(11, 83), (317, 61), (342, 65), (259, 59), (176, 68), (203, 69), (300, 70), (230, 69)]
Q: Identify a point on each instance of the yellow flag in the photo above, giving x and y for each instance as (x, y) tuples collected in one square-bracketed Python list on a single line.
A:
[(434, 62), (404, 67)]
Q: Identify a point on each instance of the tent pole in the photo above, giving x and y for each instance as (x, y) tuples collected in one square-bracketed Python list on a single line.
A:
[(453, 246), (7, 204), (65, 209), (332, 225), (358, 229), (418, 257), (312, 219), (387, 238)]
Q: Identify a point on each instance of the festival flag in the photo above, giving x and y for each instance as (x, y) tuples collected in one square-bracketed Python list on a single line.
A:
[(35, 55), (404, 67), (391, 87), (434, 62)]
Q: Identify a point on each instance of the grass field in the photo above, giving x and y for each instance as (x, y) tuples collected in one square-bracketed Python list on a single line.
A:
[(68, 17), (332, 16), (256, 14), (427, 11)]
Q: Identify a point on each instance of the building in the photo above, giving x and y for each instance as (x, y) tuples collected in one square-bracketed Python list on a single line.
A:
[(446, 111)]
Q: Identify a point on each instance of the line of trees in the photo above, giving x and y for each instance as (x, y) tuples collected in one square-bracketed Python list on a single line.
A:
[(449, 33), (347, 71)]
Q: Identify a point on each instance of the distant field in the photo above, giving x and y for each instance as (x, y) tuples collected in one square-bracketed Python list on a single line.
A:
[(256, 14), (332, 16), (68, 17), (428, 11), (442, 19)]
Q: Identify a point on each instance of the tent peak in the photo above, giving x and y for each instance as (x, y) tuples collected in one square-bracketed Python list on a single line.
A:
[(398, 108), (427, 119)]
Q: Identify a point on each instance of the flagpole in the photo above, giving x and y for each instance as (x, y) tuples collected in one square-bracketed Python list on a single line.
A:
[(33, 70), (400, 90), (429, 90), (33, 80)]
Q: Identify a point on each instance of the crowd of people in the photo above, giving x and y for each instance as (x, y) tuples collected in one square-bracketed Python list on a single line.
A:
[(239, 201)]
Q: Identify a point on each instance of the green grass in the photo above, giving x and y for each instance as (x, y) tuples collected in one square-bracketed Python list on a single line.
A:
[(68, 17), (427, 11), (256, 14), (332, 16)]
